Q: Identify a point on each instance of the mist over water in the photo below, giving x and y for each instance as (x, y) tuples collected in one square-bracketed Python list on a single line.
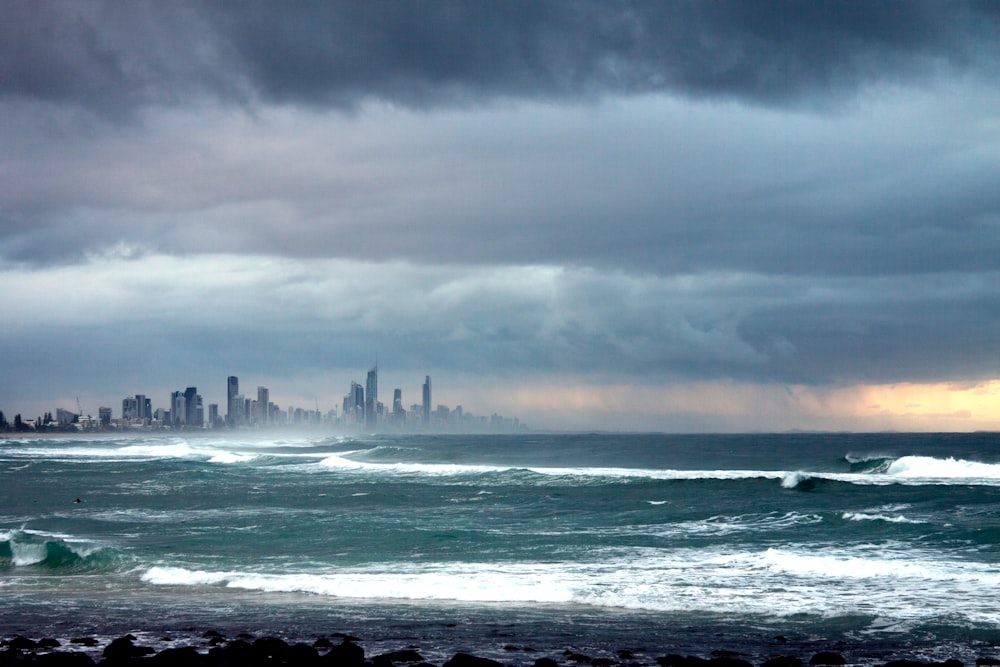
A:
[(869, 540)]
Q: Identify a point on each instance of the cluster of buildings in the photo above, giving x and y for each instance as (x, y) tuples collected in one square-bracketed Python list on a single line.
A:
[(361, 411)]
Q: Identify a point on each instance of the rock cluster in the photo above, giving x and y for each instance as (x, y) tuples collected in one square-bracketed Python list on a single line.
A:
[(245, 651)]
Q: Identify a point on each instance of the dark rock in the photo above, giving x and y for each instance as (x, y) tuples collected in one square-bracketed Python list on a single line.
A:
[(511, 647), (301, 654), (729, 661), (603, 662), (827, 658), (579, 657), (64, 659), (626, 654), (783, 661), (323, 642), (905, 663), (987, 662), (546, 662), (345, 654), (84, 641), (466, 660), (122, 649), (235, 653), (211, 633), (48, 642), (22, 643), (674, 660), (406, 655), (952, 662), (269, 649), (184, 656)]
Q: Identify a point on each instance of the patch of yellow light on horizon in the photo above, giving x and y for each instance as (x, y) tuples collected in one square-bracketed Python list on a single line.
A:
[(977, 402)]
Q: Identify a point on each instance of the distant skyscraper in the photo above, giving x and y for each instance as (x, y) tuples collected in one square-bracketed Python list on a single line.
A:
[(143, 410), (263, 404), (427, 400), (357, 403), (398, 412), (178, 413), (191, 407), (232, 391), (371, 397)]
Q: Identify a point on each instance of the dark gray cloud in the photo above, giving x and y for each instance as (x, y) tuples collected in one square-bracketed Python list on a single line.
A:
[(113, 57), (589, 193)]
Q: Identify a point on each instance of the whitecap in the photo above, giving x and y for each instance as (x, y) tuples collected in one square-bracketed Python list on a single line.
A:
[(863, 516)]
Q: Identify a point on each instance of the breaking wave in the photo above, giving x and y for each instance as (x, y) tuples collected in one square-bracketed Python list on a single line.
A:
[(57, 553)]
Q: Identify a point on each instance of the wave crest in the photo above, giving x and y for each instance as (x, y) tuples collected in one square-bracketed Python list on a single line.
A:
[(55, 552)]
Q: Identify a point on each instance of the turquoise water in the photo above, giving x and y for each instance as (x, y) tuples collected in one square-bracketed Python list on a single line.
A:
[(688, 543)]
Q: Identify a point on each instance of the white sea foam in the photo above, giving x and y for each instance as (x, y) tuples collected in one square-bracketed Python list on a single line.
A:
[(793, 479), (340, 462), (231, 457), (949, 468), (865, 516), (891, 582)]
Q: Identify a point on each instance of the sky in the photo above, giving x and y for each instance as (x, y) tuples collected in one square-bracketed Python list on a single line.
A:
[(667, 216)]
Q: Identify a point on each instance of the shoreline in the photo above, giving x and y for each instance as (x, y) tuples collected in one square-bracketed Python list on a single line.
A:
[(211, 647)]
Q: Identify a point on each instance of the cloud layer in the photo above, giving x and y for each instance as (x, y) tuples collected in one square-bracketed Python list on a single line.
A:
[(576, 195)]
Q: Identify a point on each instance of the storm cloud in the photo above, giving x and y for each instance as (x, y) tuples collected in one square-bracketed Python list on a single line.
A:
[(110, 56), (770, 195)]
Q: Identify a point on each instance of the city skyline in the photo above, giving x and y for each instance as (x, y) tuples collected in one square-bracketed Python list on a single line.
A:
[(360, 410), (680, 216)]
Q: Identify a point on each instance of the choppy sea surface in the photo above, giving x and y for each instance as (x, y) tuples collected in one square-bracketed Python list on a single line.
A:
[(877, 545)]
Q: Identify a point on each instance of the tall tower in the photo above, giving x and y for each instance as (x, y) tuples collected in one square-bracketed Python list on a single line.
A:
[(191, 406), (178, 411), (232, 391), (427, 400), (371, 397), (356, 403), (263, 405)]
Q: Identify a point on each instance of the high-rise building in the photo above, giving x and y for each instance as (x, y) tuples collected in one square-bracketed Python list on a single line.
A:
[(137, 407), (355, 404), (191, 407), (232, 391), (398, 417), (371, 397), (143, 407), (178, 412), (427, 400), (263, 405)]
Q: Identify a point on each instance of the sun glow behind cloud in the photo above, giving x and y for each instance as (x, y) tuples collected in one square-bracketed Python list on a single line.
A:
[(732, 405)]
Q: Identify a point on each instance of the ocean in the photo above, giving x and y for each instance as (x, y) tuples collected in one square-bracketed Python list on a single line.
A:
[(879, 546)]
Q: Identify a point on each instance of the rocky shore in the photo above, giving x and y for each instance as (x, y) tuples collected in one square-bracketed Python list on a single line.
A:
[(212, 649)]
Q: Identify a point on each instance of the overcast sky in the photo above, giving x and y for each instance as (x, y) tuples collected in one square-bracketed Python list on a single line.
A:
[(680, 216)]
